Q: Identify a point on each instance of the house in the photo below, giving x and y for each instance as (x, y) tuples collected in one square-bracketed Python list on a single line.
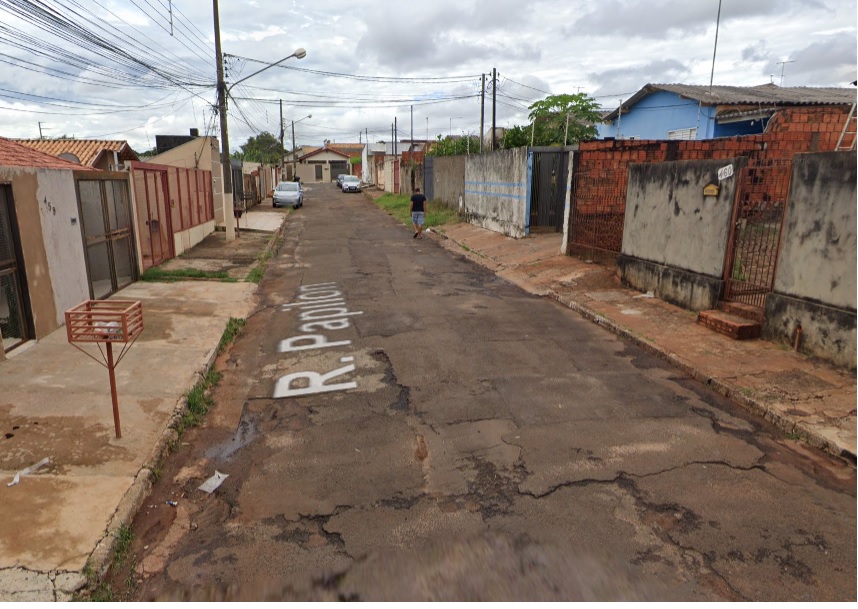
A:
[(106, 155), (66, 236), (698, 112), (326, 163)]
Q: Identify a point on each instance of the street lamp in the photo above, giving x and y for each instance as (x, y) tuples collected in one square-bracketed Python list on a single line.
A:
[(222, 95), (451, 123), (294, 168)]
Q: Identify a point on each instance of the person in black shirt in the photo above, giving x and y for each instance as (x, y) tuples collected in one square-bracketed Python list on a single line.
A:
[(418, 212)]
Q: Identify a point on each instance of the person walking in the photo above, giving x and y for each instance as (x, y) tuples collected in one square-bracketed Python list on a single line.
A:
[(418, 212)]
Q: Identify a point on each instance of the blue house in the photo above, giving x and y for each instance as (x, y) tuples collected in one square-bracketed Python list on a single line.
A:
[(696, 112)]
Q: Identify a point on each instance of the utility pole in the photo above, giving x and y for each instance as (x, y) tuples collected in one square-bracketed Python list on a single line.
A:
[(482, 110), (294, 166), (41, 137), (282, 150), (494, 105), (411, 148), (228, 213)]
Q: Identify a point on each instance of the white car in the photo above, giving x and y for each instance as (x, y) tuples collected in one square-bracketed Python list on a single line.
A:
[(288, 194), (351, 184)]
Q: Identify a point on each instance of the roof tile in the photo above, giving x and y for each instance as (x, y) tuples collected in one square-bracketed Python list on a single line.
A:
[(86, 150), (13, 154)]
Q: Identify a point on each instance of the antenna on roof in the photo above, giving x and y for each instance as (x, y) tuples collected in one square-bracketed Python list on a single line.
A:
[(715, 50), (783, 65)]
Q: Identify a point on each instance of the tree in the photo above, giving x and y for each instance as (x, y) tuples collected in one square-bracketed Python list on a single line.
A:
[(515, 137), (264, 148), (451, 146), (564, 119)]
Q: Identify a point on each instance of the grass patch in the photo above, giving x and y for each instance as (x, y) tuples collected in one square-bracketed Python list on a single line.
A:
[(233, 329), (102, 592), (199, 401), (256, 273), (169, 276), (436, 213)]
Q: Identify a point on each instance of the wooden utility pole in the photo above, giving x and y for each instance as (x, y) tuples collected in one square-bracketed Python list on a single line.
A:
[(228, 217), (282, 150), (482, 110), (494, 105)]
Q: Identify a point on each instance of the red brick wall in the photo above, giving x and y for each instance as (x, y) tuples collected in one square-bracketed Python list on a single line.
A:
[(602, 166)]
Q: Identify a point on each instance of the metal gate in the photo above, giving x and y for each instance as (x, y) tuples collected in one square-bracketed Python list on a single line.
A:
[(153, 215), (429, 177), (548, 188), (105, 211), (758, 216), (598, 211), (15, 320), (339, 167)]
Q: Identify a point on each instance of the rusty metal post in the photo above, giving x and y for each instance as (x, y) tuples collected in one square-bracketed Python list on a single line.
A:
[(111, 367)]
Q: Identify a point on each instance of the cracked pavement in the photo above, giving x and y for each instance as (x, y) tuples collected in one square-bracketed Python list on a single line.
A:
[(496, 447)]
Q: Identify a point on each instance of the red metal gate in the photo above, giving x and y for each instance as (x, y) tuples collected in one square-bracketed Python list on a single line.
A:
[(153, 215), (758, 217), (598, 210)]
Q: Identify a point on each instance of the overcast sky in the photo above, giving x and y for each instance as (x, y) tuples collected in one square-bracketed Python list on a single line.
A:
[(369, 63)]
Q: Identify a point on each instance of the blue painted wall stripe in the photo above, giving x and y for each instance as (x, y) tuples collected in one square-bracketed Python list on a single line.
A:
[(494, 194)]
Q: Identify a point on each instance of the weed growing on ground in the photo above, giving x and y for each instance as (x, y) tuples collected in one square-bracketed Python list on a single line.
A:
[(169, 276), (199, 401), (256, 273), (398, 205), (233, 329)]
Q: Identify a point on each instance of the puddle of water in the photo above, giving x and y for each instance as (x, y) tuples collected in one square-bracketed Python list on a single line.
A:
[(244, 435)]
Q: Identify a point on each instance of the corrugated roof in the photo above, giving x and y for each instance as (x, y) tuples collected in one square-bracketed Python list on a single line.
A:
[(769, 95), (13, 154), (86, 150)]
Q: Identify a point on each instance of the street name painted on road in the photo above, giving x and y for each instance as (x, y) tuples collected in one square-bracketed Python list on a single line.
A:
[(322, 307)]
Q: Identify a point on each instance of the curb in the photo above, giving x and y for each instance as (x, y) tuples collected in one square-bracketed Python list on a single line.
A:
[(100, 559), (810, 436), (786, 424)]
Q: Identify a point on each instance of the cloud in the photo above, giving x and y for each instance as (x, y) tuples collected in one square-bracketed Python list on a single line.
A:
[(828, 62), (656, 19), (623, 82)]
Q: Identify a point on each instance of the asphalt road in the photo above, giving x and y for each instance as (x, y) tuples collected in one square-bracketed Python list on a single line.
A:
[(397, 423)]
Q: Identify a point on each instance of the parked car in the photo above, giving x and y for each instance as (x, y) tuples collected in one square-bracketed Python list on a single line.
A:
[(351, 184), (288, 194), (340, 179)]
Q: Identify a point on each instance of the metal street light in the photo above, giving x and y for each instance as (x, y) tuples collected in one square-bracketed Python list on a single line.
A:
[(451, 123), (294, 168), (223, 94)]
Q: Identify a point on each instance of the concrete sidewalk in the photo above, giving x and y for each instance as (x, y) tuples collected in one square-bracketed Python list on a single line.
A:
[(61, 521)]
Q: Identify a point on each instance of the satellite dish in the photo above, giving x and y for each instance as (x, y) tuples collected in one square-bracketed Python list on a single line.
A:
[(68, 156)]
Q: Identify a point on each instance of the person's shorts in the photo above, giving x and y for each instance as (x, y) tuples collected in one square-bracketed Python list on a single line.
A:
[(417, 217)]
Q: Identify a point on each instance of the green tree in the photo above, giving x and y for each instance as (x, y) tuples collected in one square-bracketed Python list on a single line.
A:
[(515, 137), (263, 148), (564, 119), (451, 146)]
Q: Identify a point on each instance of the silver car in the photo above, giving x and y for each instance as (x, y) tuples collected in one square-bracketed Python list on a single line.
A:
[(351, 184), (288, 194)]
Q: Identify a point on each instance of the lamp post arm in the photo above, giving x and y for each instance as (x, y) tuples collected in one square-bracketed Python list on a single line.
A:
[(299, 53)]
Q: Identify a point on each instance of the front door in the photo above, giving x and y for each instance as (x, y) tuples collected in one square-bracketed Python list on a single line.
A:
[(105, 211), (15, 318)]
